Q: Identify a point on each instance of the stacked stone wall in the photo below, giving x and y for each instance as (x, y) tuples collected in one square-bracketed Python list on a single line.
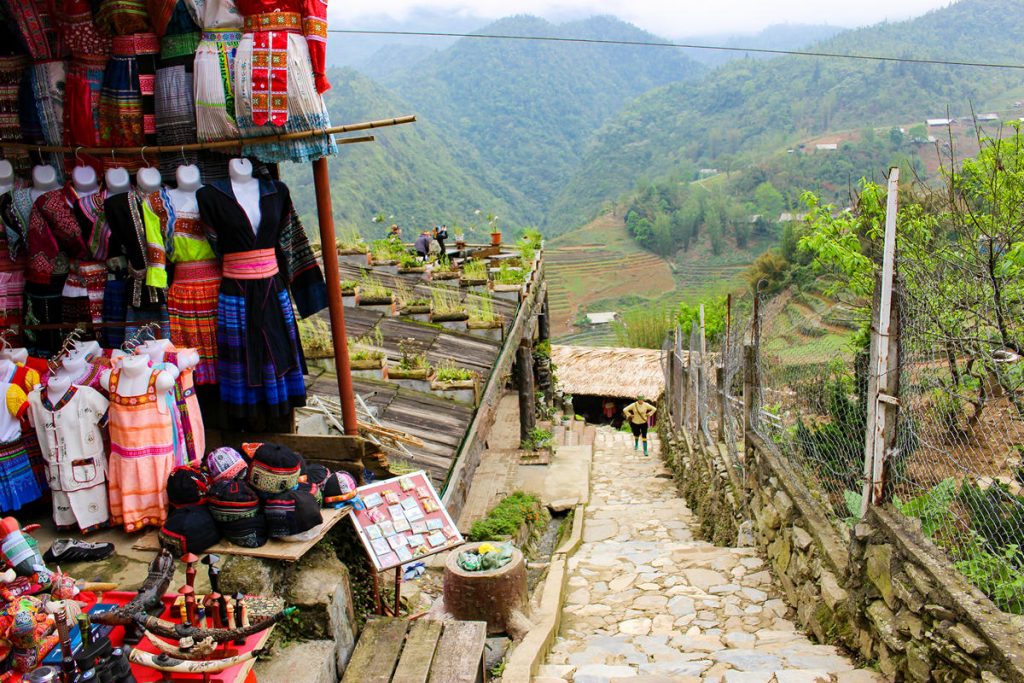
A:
[(881, 589)]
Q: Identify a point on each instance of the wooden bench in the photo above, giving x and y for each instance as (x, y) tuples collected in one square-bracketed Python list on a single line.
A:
[(402, 651)]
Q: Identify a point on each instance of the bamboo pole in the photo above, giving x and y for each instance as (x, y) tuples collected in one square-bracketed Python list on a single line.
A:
[(332, 272), (236, 143)]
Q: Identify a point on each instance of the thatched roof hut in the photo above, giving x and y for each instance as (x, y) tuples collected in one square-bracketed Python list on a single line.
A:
[(609, 372)]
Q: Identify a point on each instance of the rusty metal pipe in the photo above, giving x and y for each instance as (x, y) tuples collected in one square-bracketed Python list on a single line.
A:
[(328, 242)]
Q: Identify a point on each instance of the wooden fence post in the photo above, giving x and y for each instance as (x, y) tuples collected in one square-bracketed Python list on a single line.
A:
[(723, 401), (750, 381), (883, 365)]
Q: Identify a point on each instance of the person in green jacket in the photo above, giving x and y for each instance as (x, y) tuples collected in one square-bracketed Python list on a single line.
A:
[(638, 413)]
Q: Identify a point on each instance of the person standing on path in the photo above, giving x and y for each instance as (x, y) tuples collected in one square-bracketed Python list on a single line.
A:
[(638, 413)]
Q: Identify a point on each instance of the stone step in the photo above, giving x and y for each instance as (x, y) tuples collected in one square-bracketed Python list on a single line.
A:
[(589, 435)]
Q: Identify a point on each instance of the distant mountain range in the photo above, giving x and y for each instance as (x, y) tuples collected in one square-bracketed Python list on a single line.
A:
[(547, 133)]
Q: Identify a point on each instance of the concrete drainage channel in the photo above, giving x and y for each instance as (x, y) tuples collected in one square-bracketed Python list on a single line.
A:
[(523, 662)]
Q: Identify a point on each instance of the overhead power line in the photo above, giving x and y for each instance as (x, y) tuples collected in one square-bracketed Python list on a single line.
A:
[(690, 46)]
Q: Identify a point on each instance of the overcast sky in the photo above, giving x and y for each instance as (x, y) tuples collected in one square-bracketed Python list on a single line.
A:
[(669, 18)]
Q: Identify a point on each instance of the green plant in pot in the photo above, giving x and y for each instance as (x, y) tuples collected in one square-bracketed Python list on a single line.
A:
[(366, 351), (410, 263), (447, 306), (348, 287), (482, 315), (385, 252), (372, 292), (413, 363), (410, 301), (508, 275), (351, 242), (474, 272), (442, 269)]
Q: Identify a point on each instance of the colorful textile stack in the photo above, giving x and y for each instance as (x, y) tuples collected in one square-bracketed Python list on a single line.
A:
[(274, 469)]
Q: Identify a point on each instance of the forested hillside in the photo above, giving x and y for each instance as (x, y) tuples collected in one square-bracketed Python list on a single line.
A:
[(416, 173), (529, 108), (748, 108)]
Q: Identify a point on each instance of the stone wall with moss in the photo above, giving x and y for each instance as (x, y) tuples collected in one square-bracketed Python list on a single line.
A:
[(704, 480), (885, 591)]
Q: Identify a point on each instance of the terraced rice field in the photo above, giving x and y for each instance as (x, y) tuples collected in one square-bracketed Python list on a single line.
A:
[(597, 262)]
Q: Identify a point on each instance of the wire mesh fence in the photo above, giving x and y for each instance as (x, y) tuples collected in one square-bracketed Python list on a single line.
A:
[(809, 401), (960, 438)]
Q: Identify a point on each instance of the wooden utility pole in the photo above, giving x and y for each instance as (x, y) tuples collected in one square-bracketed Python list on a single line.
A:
[(883, 365), (750, 388), (527, 399)]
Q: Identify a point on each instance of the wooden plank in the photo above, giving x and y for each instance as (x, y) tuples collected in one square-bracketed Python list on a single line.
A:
[(273, 550), (377, 651), (460, 653), (414, 666), (875, 445), (325, 449)]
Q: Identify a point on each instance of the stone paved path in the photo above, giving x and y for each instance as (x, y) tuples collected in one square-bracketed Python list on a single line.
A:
[(647, 602)]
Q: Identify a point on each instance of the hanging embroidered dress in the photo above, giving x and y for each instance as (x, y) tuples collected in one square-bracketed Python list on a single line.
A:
[(259, 358), (71, 433), (135, 232), (91, 212), (177, 24), (18, 486), (41, 95), (214, 71), (89, 53), (28, 377), (190, 438), (12, 274), (141, 455), (13, 62), (192, 296), (280, 77), (58, 243), (127, 102)]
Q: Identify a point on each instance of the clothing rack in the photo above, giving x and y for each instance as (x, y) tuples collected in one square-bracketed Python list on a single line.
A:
[(232, 144)]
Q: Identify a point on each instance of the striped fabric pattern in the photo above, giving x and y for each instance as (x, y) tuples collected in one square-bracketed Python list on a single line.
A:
[(192, 307), (18, 485), (214, 85), (141, 457), (279, 392)]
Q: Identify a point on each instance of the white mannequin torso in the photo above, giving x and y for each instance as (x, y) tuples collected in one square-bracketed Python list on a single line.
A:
[(117, 181), (56, 387), (72, 368), (44, 179), (6, 176), (16, 355), (7, 368), (84, 180), (85, 350), (148, 179), (134, 379), (246, 189), (155, 349)]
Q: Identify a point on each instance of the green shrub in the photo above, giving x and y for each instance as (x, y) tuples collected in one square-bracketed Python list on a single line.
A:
[(507, 517), (508, 275), (447, 371), (446, 301), (538, 438), (372, 288), (474, 269)]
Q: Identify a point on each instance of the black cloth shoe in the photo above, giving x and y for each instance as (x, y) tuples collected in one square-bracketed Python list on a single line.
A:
[(73, 550)]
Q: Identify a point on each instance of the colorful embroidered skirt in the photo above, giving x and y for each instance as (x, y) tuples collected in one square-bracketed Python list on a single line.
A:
[(214, 85), (12, 69), (12, 301), (35, 458), (280, 389), (83, 291), (293, 105), (42, 306), (192, 308), (127, 107), (18, 485)]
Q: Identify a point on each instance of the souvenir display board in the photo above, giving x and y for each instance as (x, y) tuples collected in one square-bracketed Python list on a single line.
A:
[(403, 520)]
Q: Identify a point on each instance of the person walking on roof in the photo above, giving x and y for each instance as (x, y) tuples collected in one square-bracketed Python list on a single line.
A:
[(638, 413)]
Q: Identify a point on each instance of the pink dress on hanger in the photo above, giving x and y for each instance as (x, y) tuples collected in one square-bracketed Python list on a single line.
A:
[(141, 455)]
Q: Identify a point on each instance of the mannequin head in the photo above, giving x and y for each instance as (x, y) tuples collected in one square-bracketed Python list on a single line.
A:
[(84, 180), (148, 179), (6, 175), (44, 178), (118, 181), (188, 177), (240, 169)]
